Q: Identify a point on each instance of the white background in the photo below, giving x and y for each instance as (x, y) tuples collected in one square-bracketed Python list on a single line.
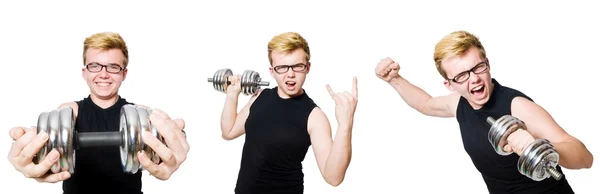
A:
[(547, 50)]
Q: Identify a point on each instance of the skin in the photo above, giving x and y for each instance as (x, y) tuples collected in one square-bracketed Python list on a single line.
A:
[(540, 124), (28, 143), (332, 156)]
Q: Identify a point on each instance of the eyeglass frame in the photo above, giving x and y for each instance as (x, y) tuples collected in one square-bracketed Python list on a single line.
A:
[(288, 67), (104, 67), (468, 72)]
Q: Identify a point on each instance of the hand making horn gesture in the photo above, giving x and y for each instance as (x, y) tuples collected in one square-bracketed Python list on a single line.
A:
[(345, 104)]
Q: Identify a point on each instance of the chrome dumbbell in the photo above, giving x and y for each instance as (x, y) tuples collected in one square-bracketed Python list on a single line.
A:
[(59, 125), (538, 160), (250, 81)]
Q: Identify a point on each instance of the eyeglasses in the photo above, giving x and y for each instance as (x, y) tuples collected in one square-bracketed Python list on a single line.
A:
[(285, 68), (465, 75), (97, 67)]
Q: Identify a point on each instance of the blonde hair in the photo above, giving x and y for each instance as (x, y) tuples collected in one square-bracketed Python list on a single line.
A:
[(453, 45), (106, 41), (286, 43)]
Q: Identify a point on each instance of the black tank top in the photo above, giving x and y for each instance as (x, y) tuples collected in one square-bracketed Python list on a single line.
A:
[(98, 170), (499, 172), (277, 141)]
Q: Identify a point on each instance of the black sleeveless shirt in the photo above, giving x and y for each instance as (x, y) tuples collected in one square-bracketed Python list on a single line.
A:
[(98, 169), (499, 172), (276, 143)]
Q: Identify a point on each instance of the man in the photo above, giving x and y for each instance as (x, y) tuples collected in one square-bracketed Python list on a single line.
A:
[(461, 60), (281, 123), (98, 170)]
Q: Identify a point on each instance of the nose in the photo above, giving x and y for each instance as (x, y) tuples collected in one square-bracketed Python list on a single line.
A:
[(103, 73), (473, 78), (290, 74)]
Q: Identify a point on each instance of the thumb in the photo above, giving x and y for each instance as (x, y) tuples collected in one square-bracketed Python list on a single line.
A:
[(180, 123), (507, 148)]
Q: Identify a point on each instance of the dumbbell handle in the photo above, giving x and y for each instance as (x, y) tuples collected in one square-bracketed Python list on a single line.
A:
[(491, 120), (96, 139), (228, 82)]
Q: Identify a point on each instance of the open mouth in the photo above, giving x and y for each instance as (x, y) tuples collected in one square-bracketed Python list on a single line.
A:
[(478, 90), (290, 84)]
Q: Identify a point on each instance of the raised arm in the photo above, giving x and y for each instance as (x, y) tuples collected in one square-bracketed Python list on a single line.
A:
[(415, 97), (232, 122), (333, 156)]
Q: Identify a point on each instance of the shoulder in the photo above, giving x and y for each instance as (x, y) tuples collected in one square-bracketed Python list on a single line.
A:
[(316, 119), (72, 104)]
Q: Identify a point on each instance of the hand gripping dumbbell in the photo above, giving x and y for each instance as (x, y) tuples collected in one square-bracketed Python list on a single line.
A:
[(59, 125), (538, 160), (250, 80)]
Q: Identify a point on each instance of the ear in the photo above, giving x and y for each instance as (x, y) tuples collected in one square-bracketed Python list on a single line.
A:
[(308, 67), (271, 72), (83, 73), (449, 86), (124, 73)]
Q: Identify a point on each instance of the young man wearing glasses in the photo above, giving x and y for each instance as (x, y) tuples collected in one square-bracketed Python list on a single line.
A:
[(281, 123), (98, 169), (461, 60)]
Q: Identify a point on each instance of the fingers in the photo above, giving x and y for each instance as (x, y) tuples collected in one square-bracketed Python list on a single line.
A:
[(330, 90), (508, 148), (20, 143), (180, 123), (32, 148), (16, 132), (54, 178), (159, 148), (151, 167), (44, 166), (355, 87)]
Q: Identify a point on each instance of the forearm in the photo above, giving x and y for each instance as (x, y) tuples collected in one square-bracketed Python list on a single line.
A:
[(229, 114), (414, 96), (339, 156), (573, 154)]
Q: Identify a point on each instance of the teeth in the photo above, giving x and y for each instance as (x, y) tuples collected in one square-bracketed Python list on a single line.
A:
[(103, 84), (290, 82), (477, 88)]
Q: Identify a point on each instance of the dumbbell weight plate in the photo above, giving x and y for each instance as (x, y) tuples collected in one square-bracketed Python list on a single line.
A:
[(250, 80), (133, 121), (220, 79), (144, 115), (59, 125), (501, 129), (536, 157)]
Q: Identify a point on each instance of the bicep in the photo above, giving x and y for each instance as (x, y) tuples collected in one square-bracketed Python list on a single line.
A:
[(442, 106), (319, 130), (539, 122)]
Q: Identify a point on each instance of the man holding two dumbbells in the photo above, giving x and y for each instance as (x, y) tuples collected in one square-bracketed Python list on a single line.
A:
[(477, 100), (98, 169), (281, 123)]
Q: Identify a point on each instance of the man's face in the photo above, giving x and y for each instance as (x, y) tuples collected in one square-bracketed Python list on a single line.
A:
[(104, 81), (289, 70), (471, 76)]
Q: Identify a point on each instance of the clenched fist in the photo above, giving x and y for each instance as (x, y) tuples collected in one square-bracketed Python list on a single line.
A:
[(387, 69)]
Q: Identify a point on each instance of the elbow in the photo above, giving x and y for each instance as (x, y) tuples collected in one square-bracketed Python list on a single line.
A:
[(589, 161), (226, 137), (334, 181)]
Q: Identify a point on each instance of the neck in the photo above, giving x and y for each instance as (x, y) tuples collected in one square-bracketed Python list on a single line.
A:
[(104, 102)]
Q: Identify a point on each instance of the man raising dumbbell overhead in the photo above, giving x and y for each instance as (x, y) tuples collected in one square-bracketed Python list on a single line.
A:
[(476, 102), (281, 123), (99, 169)]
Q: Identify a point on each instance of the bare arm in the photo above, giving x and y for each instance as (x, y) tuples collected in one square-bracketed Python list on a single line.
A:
[(418, 99), (333, 157), (232, 123), (540, 124)]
